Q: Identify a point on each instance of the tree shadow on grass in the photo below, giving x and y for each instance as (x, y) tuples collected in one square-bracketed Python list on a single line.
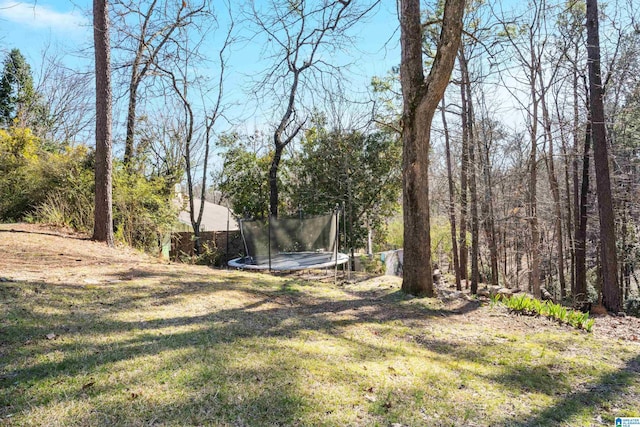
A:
[(267, 312), (599, 393), (47, 233)]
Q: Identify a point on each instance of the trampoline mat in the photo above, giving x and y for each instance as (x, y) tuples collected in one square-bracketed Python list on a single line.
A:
[(291, 261)]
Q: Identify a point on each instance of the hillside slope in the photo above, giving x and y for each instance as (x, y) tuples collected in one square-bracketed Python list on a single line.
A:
[(91, 335)]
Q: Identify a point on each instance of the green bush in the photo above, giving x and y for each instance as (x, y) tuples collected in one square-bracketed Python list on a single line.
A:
[(54, 184), (142, 209), (44, 182), (372, 265)]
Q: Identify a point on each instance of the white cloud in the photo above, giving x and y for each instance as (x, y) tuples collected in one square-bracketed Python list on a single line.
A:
[(38, 16)]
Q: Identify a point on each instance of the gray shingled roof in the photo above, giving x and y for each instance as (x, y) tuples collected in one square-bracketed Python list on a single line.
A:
[(214, 217)]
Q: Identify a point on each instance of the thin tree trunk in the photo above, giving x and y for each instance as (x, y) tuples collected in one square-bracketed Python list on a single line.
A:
[(103, 217), (534, 278), (452, 205), (611, 297), (555, 192), (464, 175), (471, 145), (489, 221), (580, 293)]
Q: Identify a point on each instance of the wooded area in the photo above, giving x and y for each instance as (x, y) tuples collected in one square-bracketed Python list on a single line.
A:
[(504, 146)]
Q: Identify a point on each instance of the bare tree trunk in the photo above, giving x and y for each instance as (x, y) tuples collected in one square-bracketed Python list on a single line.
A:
[(452, 205), (555, 190), (611, 297), (468, 127), (421, 97), (475, 244), (534, 267), (489, 220), (568, 201), (580, 294), (464, 175), (103, 221)]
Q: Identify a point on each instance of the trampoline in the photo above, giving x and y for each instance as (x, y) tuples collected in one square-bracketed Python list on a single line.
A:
[(290, 244)]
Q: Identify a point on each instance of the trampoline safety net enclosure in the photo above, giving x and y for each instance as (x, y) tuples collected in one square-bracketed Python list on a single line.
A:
[(290, 243)]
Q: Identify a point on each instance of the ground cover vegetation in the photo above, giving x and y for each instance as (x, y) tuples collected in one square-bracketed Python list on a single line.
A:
[(95, 336), (511, 148), (508, 158)]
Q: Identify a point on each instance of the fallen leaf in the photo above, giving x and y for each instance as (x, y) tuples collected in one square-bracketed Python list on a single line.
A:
[(51, 336)]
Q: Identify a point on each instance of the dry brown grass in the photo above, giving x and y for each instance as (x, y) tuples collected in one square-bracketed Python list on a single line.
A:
[(97, 336)]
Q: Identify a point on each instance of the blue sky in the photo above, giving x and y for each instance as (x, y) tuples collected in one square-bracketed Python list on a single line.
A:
[(65, 26)]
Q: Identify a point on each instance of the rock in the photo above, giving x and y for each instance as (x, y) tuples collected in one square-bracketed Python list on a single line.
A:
[(546, 296)]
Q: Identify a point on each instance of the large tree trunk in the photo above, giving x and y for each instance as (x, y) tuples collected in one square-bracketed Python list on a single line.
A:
[(274, 199), (452, 205), (103, 218), (611, 298), (421, 97)]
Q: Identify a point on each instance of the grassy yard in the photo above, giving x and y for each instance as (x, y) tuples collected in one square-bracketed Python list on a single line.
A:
[(133, 342)]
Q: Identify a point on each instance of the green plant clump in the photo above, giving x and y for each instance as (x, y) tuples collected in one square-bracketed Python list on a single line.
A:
[(524, 304)]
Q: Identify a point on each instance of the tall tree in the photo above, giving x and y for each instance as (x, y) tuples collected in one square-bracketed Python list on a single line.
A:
[(452, 204), (103, 221), (146, 30), (611, 297), (196, 132), (18, 97), (420, 100), (299, 33), (468, 129)]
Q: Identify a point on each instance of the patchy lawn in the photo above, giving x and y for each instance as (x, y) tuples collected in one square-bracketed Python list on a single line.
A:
[(97, 336)]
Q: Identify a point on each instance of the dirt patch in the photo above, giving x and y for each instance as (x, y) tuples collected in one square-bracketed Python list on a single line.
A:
[(36, 253)]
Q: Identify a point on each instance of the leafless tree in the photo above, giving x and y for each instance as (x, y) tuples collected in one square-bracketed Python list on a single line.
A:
[(300, 35), (611, 297), (67, 96), (196, 127), (144, 34)]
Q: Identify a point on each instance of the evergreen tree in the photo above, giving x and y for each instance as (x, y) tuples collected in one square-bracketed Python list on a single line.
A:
[(17, 95)]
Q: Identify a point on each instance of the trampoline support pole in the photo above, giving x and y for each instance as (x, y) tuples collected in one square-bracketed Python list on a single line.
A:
[(336, 242), (269, 239)]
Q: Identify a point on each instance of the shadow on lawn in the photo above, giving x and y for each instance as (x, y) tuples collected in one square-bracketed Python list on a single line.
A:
[(46, 233), (75, 323), (79, 316), (270, 310), (597, 394)]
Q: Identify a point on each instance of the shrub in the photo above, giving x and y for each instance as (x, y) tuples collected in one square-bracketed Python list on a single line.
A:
[(142, 209)]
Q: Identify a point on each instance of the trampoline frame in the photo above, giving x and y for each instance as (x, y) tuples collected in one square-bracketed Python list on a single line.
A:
[(292, 261)]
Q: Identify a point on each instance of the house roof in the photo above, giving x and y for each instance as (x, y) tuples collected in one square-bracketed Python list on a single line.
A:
[(214, 217)]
